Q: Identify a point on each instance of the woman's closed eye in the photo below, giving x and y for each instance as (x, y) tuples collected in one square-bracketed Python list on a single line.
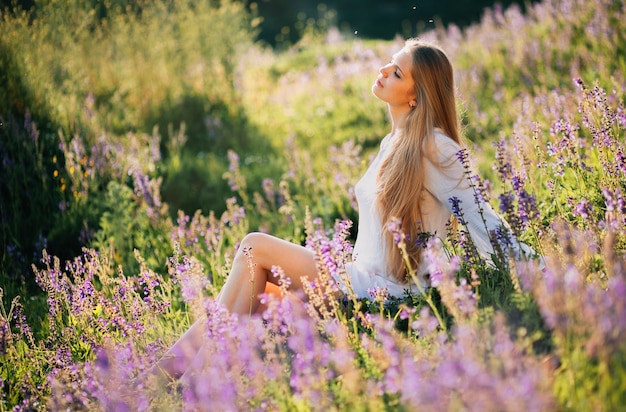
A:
[(396, 70)]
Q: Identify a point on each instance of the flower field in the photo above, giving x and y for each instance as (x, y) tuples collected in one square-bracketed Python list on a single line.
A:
[(141, 142)]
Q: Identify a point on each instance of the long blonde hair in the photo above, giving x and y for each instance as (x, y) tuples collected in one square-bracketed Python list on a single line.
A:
[(401, 176)]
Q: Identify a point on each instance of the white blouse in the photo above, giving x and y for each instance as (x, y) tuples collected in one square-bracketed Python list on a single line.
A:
[(368, 268)]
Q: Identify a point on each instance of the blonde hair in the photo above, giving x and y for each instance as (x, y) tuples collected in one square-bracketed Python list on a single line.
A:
[(401, 176)]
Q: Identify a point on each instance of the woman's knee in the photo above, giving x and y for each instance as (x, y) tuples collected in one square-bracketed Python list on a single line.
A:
[(253, 244), (254, 240)]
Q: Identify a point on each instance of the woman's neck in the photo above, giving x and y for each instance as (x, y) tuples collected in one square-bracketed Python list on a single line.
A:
[(398, 117)]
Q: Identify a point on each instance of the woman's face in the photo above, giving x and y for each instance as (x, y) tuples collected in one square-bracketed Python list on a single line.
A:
[(395, 84)]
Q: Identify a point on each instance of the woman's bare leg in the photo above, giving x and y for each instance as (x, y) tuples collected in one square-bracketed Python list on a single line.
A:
[(176, 360), (273, 290), (249, 277), (251, 270)]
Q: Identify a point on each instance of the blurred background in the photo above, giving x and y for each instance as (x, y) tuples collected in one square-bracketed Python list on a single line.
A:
[(283, 21)]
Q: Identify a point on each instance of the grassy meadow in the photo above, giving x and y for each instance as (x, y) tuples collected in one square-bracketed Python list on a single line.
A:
[(140, 141)]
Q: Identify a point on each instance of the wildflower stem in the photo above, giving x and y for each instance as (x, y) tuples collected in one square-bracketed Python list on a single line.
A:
[(427, 295)]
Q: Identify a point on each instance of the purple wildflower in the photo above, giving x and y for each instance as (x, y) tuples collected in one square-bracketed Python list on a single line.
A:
[(378, 295), (503, 161), (148, 190), (425, 324), (395, 227), (583, 209), (457, 210)]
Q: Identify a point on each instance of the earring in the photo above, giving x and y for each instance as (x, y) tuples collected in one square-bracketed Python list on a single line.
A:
[(411, 105)]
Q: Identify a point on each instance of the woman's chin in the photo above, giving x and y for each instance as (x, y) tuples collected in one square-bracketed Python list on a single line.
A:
[(375, 90)]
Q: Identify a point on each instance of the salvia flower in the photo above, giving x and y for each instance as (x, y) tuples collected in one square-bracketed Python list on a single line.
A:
[(378, 295), (395, 227), (425, 324), (583, 209), (457, 210)]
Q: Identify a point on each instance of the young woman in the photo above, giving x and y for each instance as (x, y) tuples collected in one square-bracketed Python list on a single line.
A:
[(411, 181)]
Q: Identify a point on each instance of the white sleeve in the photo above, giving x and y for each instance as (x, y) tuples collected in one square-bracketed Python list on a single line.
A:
[(450, 184)]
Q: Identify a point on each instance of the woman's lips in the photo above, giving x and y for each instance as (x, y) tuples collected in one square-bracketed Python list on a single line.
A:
[(378, 83)]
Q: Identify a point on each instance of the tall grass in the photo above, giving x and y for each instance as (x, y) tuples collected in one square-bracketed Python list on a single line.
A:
[(85, 81), (544, 114)]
